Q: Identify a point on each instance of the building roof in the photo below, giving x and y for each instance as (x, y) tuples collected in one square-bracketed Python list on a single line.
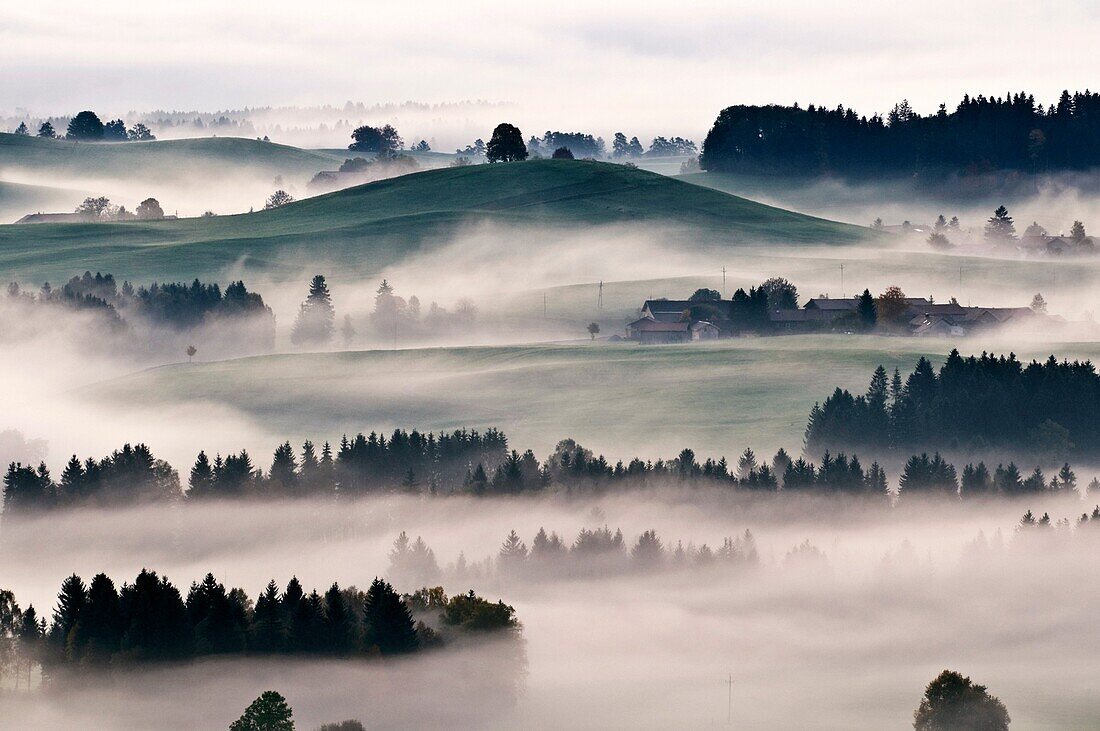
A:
[(648, 324), (53, 218), (672, 310)]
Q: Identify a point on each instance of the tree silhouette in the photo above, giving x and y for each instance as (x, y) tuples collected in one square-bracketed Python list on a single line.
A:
[(506, 144), (375, 139), (85, 126), (952, 702), (269, 712), (46, 131), (278, 199), (593, 329), (562, 153), (1000, 228), (149, 210), (316, 318)]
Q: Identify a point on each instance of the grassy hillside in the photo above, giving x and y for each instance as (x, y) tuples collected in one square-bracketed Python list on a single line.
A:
[(17, 199), (618, 398), (368, 227), (148, 160)]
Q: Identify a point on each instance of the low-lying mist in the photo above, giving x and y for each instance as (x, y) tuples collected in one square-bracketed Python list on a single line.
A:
[(852, 636)]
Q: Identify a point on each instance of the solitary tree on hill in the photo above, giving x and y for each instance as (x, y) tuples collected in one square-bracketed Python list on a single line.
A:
[(278, 199), (46, 131), (593, 330), (1077, 232), (375, 139), (316, 317), (506, 144), (952, 702), (85, 126), (191, 350)]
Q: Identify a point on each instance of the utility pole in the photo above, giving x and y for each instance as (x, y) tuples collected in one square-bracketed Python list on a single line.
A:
[(843, 294), (544, 305), (599, 297), (729, 701), (723, 281)]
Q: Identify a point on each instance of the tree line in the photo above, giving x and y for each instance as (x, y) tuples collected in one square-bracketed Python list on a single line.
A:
[(96, 625), (981, 134), (1043, 410), (596, 549), (88, 127), (470, 462), (172, 304)]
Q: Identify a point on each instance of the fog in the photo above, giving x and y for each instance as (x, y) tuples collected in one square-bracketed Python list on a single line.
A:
[(905, 592), (649, 72)]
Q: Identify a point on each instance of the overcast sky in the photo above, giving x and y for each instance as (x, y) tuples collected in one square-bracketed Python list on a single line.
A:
[(567, 64)]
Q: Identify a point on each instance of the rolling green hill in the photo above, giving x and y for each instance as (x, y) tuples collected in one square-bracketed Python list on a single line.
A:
[(366, 228), (17, 199), (151, 160)]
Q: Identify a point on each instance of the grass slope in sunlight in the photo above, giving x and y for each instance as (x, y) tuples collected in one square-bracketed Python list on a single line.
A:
[(371, 226)]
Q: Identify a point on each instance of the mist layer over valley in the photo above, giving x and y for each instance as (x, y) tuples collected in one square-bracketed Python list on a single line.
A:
[(414, 415), (873, 614)]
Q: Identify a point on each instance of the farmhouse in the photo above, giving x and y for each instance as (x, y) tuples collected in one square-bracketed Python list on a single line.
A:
[(676, 321)]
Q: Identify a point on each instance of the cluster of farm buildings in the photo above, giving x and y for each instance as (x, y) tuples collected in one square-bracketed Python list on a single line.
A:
[(678, 321)]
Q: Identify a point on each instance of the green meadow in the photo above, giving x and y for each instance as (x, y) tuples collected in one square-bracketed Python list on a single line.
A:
[(369, 227)]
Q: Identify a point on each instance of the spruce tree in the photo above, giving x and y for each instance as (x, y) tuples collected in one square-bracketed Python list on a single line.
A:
[(339, 625), (268, 628), (387, 621), (868, 315), (1000, 227), (98, 632), (70, 604), (316, 317), (201, 481)]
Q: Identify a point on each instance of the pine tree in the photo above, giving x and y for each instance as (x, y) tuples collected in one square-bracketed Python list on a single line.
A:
[(70, 604), (1077, 232), (387, 621), (513, 552), (339, 624), (1067, 480), (316, 317), (868, 315), (268, 628), (46, 131), (1000, 227), (98, 632), (201, 481), (73, 481), (746, 465), (283, 475)]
